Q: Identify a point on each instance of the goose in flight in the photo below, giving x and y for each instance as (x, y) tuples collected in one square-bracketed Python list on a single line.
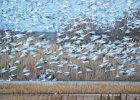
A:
[(19, 36), (131, 72), (3, 70)]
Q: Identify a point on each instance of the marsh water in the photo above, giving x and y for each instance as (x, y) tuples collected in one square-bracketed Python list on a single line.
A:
[(69, 96)]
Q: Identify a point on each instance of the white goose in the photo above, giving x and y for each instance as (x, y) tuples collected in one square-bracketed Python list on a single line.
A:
[(4, 70), (131, 72)]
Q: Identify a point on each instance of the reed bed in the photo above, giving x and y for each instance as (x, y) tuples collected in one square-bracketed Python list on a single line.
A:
[(61, 88), (97, 73), (67, 97)]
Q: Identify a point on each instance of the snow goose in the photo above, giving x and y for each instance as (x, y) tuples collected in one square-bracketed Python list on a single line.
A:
[(79, 32), (38, 67), (3, 70), (102, 41), (27, 74), (126, 38), (11, 56), (74, 38), (117, 75), (60, 65), (92, 33), (122, 72), (19, 36), (29, 39), (79, 72), (131, 72), (25, 70), (88, 69), (59, 34), (41, 61), (17, 62), (104, 63), (50, 71), (51, 77), (13, 68), (93, 57), (95, 37), (66, 73), (41, 36), (59, 72)]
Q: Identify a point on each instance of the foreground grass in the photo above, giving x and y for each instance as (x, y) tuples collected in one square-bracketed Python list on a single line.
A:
[(75, 88), (68, 97)]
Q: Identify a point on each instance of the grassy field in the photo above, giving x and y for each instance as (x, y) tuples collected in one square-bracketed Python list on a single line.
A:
[(67, 97), (75, 88), (65, 91)]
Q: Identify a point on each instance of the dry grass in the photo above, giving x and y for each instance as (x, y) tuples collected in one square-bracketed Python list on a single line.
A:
[(96, 74), (62, 88), (65, 97)]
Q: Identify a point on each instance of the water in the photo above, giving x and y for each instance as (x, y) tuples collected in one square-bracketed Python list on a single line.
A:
[(73, 82)]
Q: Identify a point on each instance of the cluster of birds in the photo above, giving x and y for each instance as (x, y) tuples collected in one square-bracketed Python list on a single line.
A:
[(126, 53), (48, 15), (84, 46)]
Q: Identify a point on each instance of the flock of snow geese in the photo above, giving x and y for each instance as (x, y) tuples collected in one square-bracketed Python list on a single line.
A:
[(126, 53)]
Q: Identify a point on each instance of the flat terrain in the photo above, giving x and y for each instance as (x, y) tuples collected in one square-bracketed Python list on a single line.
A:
[(69, 96), (97, 87)]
